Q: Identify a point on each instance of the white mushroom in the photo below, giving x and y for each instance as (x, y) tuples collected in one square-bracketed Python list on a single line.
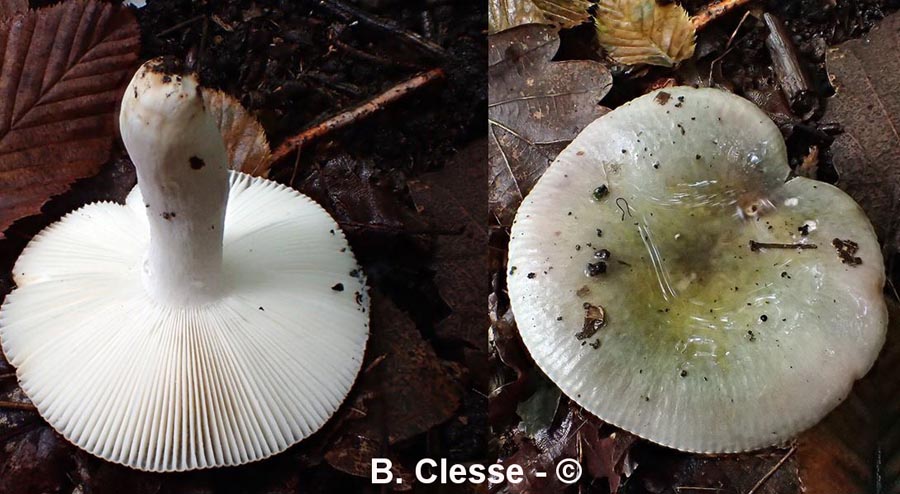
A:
[(214, 319), (669, 278)]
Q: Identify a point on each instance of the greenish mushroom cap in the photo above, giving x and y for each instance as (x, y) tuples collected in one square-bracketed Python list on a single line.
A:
[(736, 306)]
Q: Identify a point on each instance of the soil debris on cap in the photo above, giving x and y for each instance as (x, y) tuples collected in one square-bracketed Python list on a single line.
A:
[(847, 250), (594, 319)]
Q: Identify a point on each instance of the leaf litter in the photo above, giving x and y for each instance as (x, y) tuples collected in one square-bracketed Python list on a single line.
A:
[(62, 69), (537, 107), (645, 32), (507, 14), (867, 105), (245, 139)]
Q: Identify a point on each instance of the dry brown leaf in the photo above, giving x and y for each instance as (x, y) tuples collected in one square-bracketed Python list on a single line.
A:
[(603, 453), (857, 447), (353, 455), (867, 104), (453, 199), (8, 8), (403, 391), (245, 138), (507, 14), (536, 107), (564, 13), (645, 32), (62, 73)]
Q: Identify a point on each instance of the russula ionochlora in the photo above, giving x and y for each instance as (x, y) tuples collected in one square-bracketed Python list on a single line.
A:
[(671, 279), (214, 319)]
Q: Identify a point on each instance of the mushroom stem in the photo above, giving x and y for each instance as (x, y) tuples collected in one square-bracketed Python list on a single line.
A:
[(181, 165)]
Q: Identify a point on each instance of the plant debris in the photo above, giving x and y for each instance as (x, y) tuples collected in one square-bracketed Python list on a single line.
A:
[(507, 14), (856, 448), (645, 32), (245, 139), (58, 96), (866, 104), (537, 107), (847, 250), (594, 320)]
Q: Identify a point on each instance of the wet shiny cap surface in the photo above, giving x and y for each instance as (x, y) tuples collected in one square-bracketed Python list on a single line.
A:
[(669, 278)]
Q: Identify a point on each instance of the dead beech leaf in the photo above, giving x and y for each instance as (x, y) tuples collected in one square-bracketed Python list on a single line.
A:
[(536, 107), (645, 32), (857, 447), (603, 453), (245, 138), (353, 455), (867, 105), (452, 200), (565, 13), (507, 14), (34, 460), (769, 471), (403, 391), (62, 72), (8, 8)]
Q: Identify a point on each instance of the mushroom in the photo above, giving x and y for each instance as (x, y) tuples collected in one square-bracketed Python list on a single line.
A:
[(214, 319), (671, 279)]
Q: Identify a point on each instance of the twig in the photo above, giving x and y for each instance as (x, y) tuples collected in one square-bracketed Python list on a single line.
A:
[(7, 376), (375, 363), (381, 227), (16, 405), (349, 12), (296, 166), (179, 25), (362, 111), (370, 57), (201, 52), (756, 246), (795, 83), (893, 289), (772, 471), (728, 48), (715, 10)]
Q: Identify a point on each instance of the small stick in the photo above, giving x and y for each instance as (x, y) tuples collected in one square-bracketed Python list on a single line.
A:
[(375, 363), (756, 246), (364, 110), (15, 405), (794, 82), (370, 57), (179, 25), (7, 376), (772, 471), (715, 10), (349, 12), (381, 227), (728, 48)]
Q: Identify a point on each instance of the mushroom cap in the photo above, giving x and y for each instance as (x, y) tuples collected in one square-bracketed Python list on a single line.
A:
[(706, 344), (165, 388)]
